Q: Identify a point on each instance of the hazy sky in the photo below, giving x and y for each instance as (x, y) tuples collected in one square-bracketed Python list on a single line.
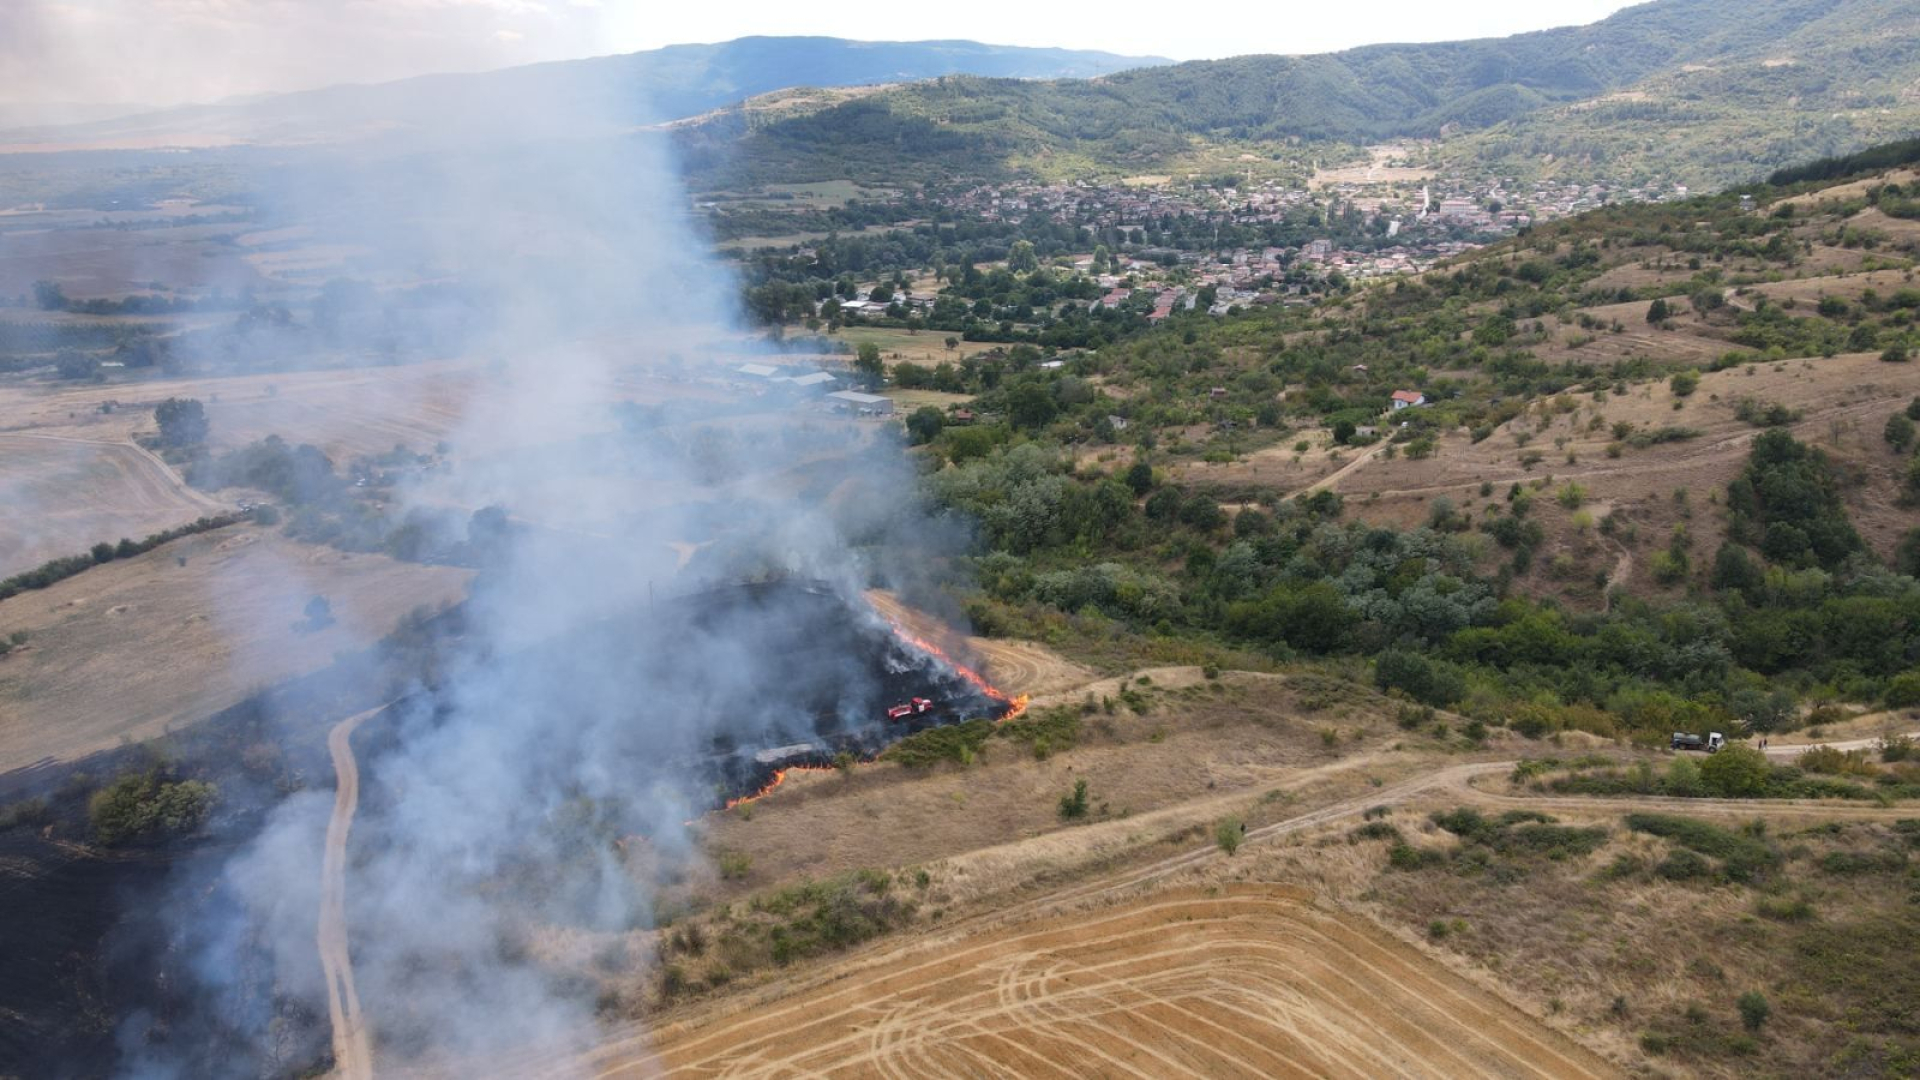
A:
[(163, 51)]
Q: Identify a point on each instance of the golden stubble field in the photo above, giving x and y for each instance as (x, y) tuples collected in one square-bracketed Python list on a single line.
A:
[(1251, 980)]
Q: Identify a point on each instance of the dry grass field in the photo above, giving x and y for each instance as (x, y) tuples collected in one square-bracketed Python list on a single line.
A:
[(64, 495), (1209, 748), (124, 650), (1377, 169), (115, 262), (1843, 403), (927, 348)]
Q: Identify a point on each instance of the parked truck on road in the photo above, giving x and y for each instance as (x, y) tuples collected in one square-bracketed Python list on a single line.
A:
[(1711, 742)]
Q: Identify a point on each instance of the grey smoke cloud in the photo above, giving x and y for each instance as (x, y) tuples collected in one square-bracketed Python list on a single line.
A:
[(175, 51), (523, 807)]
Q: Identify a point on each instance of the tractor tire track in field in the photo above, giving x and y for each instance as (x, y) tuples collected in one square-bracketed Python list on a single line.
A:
[(1133, 983), (352, 1046), (1252, 980)]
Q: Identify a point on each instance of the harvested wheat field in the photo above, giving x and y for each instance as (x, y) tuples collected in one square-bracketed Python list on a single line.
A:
[(65, 495), (1254, 980)]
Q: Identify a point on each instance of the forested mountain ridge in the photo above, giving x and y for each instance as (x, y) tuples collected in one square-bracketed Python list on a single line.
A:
[(640, 88), (1802, 77)]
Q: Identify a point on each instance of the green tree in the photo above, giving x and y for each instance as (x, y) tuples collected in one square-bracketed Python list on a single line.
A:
[(488, 531), (1684, 383), (1899, 432), (866, 364), (1659, 311), (1903, 690), (1140, 478), (1494, 331), (1754, 1010), (1229, 834), (1429, 682), (139, 806), (1073, 805), (1896, 353), (1906, 557), (924, 424), (1736, 772), (1030, 406), (74, 364), (183, 422), (1021, 259), (1732, 569), (49, 296), (1683, 778)]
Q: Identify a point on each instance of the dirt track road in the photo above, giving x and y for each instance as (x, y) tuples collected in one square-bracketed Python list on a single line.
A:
[(352, 1048), (1327, 482)]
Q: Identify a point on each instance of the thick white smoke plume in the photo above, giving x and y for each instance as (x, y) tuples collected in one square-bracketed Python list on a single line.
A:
[(515, 809)]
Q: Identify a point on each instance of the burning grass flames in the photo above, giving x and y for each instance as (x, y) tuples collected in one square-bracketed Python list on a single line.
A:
[(1015, 705)]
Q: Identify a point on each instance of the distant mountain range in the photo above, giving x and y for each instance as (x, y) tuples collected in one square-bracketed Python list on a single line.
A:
[(634, 90), (1713, 89), (1700, 92)]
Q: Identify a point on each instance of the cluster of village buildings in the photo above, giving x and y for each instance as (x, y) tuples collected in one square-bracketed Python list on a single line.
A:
[(1424, 225), (1385, 228)]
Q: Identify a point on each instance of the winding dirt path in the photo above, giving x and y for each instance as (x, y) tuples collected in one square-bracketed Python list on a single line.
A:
[(352, 1048), (1326, 482)]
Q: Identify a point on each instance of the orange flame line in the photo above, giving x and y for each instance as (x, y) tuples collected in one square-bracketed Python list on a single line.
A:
[(1016, 705)]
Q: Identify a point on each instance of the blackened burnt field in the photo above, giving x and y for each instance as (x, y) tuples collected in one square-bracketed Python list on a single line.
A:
[(686, 702), (728, 685)]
